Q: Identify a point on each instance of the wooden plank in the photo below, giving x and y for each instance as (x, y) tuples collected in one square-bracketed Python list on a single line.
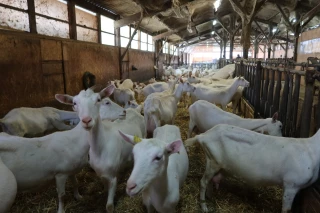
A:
[(72, 20), (32, 16), (265, 92), (307, 105)]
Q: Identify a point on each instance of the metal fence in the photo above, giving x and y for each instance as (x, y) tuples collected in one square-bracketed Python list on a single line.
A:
[(276, 88)]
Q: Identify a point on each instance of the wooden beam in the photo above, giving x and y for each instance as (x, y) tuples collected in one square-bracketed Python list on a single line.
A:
[(224, 27), (127, 20), (99, 28), (309, 15), (218, 42), (261, 30), (285, 17), (32, 16), (130, 40), (237, 29), (162, 35), (261, 49), (265, 21), (72, 20), (239, 6), (195, 42)]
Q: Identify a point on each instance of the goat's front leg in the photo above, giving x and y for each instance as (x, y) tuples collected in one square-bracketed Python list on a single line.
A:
[(147, 202), (111, 183), (61, 184), (288, 195), (75, 185)]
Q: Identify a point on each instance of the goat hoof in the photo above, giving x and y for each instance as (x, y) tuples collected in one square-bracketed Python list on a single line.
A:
[(204, 208), (109, 208)]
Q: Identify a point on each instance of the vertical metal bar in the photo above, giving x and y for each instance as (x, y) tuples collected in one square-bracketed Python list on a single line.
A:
[(257, 88)]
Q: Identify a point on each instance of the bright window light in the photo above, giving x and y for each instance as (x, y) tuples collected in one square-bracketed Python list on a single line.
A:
[(217, 4), (62, 1), (85, 10), (214, 22)]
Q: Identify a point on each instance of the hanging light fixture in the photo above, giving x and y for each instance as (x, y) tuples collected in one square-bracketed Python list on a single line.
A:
[(214, 22)]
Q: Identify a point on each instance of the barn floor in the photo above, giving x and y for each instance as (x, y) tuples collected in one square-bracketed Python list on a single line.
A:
[(232, 196)]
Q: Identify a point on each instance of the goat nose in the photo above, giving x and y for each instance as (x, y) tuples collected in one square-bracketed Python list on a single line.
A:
[(131, 186), (86, 120)]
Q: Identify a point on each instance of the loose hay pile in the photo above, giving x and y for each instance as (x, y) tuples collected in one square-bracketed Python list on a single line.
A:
[(233, 195)]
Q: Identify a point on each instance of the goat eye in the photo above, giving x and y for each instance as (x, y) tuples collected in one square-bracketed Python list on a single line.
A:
[(99, 100), (158, 158), (107, 103), (74, 103)]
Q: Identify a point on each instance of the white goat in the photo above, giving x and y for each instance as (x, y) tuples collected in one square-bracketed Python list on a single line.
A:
[(32, 122), (122, 96), (259, 159), (156, 87), (220, 96), (126, 84), (160, 110), (111, 111), (35, 162), (8, 187), (160, 167), (108, 152), (205, 115)]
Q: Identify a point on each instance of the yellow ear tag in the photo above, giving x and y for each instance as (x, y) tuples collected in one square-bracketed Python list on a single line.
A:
[(136, 139)]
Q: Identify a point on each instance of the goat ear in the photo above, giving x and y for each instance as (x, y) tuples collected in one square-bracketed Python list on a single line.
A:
[(106, 92), (275, 117), (65, 99), (174, 147), (129, 138)]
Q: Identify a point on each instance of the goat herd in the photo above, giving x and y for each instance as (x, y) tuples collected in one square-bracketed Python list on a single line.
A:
[(112, 138)]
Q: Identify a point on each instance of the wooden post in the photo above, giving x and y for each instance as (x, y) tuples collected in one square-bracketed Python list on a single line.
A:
[(286, 50), (231, 46), (307, 105), (118, 44), (284, 102), (277, 93), (296, 41), (72, 20), (256, 45), (32, 16), (99, 28), (269, 108), (295, 105), (289, 107)]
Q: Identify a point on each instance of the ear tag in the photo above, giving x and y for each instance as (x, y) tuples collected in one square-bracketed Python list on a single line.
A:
[(136, 139)]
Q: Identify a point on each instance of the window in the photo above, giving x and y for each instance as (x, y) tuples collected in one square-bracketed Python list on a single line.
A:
[(144, 41), (135, 40), (150, 43), (107, 30), (165, 48), (87, 25), (124, 36), (14, 18)]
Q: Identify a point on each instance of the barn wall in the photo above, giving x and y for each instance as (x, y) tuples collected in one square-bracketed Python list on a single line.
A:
[(32, 68), (144, 62), (309, 45)]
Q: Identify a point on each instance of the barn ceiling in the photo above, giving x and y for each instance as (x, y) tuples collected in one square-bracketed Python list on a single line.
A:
[(185, 22)]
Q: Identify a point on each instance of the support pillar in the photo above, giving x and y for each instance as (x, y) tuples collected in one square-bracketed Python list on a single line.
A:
[(231, 46), (32, 16)]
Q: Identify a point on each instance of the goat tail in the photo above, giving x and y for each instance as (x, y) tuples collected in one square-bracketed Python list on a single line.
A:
[(191, 141)]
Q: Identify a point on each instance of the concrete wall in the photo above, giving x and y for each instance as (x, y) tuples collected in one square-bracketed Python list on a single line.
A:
[(34, 68)]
